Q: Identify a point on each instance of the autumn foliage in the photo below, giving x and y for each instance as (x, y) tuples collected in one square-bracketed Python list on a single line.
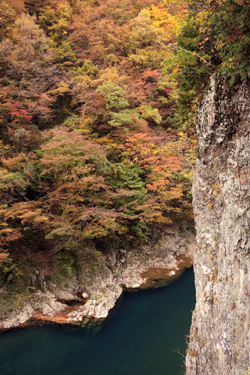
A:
[(89, 142)]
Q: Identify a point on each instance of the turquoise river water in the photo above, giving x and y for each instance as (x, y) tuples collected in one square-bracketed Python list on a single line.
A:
[(144, 335)]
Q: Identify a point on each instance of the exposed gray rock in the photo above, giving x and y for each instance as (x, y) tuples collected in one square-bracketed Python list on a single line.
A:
[(104, 281), (220, 331)]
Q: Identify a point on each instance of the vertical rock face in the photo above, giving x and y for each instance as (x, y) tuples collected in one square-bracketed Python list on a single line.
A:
[(220, 331)]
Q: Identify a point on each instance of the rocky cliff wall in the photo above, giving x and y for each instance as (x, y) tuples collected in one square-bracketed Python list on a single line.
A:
[(220, 331)]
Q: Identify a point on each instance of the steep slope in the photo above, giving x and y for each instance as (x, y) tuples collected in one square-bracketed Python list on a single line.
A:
[(88, 148), (220, 331)]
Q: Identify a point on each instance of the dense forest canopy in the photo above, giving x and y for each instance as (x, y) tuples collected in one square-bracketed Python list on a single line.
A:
[(97, 112)]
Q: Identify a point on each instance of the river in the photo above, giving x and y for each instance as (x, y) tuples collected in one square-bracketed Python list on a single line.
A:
[(145, 335)]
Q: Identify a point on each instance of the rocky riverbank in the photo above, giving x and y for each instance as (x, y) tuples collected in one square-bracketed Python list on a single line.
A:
[(93, 292)]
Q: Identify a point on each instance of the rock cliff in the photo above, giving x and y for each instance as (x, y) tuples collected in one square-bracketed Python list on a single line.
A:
[(220, 332)]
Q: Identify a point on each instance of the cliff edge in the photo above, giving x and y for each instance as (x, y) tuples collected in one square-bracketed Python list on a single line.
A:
[(220, 331)]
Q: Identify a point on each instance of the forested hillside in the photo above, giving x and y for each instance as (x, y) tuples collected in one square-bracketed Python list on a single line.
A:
[(97, 113)]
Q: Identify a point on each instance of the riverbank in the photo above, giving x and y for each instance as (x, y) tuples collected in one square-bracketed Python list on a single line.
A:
[(144, 335), (94, 292)]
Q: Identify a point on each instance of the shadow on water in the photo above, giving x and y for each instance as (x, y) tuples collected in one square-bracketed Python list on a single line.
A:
[(142, 336)]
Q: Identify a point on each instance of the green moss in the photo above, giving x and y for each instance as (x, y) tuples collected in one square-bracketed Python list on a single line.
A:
[(63, 267), (10, 301)]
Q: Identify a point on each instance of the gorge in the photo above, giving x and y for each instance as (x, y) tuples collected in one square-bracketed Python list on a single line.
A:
[(98, 153), (219, 337)]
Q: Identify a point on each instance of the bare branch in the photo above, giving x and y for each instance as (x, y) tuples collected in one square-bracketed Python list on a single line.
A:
[(178, 351)]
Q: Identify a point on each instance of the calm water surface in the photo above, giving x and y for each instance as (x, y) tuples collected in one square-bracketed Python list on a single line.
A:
[(140, 338)]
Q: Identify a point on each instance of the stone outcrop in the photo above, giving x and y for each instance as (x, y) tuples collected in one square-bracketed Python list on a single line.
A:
[(93, 290), (220, 331)]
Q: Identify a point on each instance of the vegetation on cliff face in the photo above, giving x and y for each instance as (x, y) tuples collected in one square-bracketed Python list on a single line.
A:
[(88, 149), (97, 112)]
